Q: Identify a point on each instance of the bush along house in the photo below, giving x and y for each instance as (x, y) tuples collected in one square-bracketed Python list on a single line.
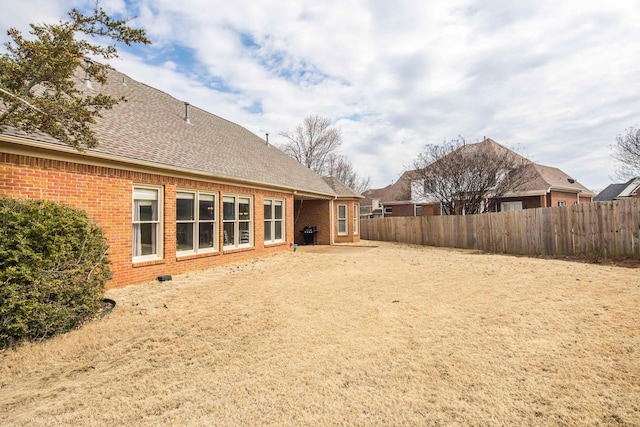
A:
[(178, 189)]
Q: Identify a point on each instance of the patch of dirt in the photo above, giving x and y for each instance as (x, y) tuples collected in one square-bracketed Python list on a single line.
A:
[(335, 249)]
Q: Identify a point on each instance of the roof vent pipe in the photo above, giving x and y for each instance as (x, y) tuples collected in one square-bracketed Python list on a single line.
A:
[(186, 113), (124, 83), (87, 80), (267, 134)]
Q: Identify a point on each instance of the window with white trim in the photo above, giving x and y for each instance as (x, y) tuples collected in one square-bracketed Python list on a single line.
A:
[(147, 223), (195, 222), (273, 220), (237, 221), (356, 218), (342, 219), (510, 206), (562, 203)]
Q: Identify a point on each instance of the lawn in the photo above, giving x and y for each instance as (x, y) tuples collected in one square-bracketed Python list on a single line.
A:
[(389, 334)]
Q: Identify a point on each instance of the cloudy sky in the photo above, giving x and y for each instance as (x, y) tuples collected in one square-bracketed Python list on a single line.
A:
[(555, 80)]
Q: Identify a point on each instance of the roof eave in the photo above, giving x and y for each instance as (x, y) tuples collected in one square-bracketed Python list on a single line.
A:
[(571, 190)]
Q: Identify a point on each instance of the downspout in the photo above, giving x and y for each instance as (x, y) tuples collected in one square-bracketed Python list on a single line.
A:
[(332, 222)]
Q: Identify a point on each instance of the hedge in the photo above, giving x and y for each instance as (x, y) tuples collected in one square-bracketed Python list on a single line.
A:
[(53, 269)]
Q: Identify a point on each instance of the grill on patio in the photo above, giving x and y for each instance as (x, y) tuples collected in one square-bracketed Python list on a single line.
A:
[(309, 233)]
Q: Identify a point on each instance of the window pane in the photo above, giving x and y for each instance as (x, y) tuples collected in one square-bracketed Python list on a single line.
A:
[(342, 226), (184, 236), (207, 210), (245, 235), (243, 209), (147, 239), (147, 210), (145, 216), (356, 218), (267, 209), (206, 236), (267, 231), (342, 211), (229, 237), (278, 210), (185, 207), (278, 230), (229, 208)]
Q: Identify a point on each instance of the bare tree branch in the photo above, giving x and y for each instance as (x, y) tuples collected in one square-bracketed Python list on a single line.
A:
[(312, 142), (316, 144), (338, 166), (468, 178), (627, 154)]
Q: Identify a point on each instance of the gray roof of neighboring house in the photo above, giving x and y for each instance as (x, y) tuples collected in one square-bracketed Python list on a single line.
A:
[(615, 191), (151, 128)]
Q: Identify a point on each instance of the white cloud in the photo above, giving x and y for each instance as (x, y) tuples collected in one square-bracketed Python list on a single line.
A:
[(556, 79)]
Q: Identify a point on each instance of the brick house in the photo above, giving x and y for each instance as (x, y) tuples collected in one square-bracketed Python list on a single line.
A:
[(392, 200), (545, 186), (178, 189)]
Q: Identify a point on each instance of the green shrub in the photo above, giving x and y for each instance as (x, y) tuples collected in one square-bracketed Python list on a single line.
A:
[(53, 268)]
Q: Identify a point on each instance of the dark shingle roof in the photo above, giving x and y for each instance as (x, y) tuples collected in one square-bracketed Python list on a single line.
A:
[(150, 127), (615, 191), (609, 193)]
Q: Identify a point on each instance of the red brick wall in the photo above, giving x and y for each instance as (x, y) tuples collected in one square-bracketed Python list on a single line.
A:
[(400, 210), (584, 199), (106, 195), (431, 210), (555, 196), (319, 213), (316, 213)]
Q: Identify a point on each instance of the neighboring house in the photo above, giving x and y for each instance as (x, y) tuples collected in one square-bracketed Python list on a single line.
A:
[(627, 190), (381, 202), (545, 187), (176, 188)]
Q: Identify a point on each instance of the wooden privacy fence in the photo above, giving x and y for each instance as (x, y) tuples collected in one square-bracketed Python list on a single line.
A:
[(598, 230)]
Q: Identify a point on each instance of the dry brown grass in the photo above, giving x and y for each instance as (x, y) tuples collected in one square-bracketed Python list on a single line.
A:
[(390, 335)]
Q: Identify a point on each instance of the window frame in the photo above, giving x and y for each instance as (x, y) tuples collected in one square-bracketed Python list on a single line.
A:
[(158, 222), (197, 221), (343, 221), (237, 242), (356, 219), (271, 222)]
